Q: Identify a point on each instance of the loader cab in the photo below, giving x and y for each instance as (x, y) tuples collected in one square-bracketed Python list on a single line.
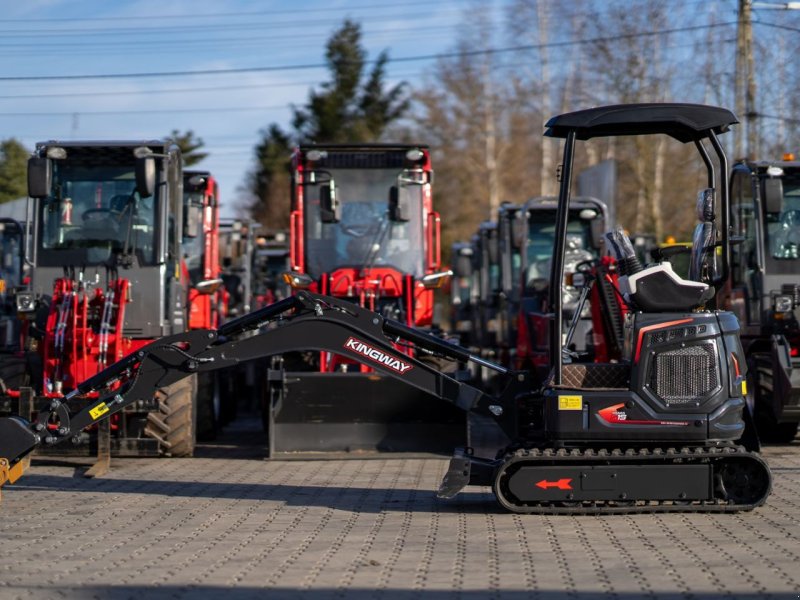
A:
[(363, 226), (12, 260), (461, 291), (95, 215), (362, 207), (764, 288), (200, 248), (535, 231), (765, 269)]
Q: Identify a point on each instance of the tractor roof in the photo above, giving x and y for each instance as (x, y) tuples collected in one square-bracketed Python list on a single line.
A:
[(684, 122)]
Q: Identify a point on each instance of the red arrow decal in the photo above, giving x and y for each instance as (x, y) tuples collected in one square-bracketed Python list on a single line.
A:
[(561, 484)]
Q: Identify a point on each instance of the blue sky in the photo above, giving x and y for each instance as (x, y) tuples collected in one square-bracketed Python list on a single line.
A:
[(49, 38)]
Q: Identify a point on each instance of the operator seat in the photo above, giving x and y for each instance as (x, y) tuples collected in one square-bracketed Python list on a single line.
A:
[(658, 288)]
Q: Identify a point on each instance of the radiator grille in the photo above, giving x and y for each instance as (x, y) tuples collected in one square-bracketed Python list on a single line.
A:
[(685, 375)]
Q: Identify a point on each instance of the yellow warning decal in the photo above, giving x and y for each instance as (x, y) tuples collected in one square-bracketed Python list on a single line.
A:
[(99, 410), (744, 387), (570, 402)]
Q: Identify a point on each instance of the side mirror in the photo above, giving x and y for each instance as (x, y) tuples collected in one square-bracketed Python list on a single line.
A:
[(773, 194), (192, 220), (436, 280), (329, 208), (208, 286), (145, 176), (399, 204), (40, 176)]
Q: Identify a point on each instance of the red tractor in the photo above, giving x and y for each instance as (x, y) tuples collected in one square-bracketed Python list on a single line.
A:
[(362, 228), (111, 229)]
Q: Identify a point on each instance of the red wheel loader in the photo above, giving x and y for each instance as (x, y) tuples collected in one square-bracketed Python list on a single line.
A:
[(109, 227), (363, 229)]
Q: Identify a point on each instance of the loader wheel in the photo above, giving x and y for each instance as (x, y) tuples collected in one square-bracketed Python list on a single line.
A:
[(207, 407), (782, 433), (769, 429), (173, 424), (13, 372)]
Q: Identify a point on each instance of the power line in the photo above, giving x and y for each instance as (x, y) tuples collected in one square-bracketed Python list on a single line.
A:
[(142, 111), (270, 24), (337, 9), (205, 41), (489, 51), (777, 26)]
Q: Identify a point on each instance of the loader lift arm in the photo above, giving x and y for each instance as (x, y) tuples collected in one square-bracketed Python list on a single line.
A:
[(307, 322)]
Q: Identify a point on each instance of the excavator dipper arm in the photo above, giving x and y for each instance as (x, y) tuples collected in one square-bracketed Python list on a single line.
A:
[(305, 322)]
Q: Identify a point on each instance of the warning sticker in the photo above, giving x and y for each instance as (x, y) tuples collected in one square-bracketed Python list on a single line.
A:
[(99, 410), (744, 387), (570, 402)]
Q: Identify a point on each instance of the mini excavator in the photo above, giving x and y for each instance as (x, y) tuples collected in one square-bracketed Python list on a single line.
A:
[(656, 431)]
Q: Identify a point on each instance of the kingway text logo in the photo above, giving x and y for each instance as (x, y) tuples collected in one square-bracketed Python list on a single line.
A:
[(379, 356)]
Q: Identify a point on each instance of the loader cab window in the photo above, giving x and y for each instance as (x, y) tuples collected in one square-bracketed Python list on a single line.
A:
[(193, 248), (782, 229), (10, 263), (541, 239), (365, 236), (743, 224), (94, 213)]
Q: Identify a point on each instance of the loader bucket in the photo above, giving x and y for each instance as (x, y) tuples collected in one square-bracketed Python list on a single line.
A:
[(16, 443), (360, 413)]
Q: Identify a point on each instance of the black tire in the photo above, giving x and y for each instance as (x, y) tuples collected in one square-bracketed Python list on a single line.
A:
[(174, 423), (769, 428), (14, 372), (207, 420), (783, 433), (230, 385)]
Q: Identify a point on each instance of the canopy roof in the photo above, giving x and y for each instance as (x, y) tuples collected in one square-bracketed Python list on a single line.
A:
[(684, 122)]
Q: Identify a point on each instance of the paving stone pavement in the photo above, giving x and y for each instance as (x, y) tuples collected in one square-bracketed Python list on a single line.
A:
[(230, 525)]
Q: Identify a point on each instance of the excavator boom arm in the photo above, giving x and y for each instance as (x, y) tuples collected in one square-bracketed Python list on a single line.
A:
[(307, 322)]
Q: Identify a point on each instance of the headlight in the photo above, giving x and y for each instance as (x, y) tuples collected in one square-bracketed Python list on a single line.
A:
[(783, 304), (26, 302)]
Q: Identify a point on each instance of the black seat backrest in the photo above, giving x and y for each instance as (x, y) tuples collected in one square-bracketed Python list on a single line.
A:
[(703, 265)]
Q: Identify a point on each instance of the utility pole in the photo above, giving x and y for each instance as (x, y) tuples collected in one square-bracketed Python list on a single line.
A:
[(745, 82), (746, 75)]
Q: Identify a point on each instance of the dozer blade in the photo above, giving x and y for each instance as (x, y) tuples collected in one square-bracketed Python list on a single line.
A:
[(16, 443), (361, 412)]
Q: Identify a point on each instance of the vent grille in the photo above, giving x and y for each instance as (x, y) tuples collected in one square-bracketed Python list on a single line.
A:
[(685, 375), (670, 335), (363, 160)]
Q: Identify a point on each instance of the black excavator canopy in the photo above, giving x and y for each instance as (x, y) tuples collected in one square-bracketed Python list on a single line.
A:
[(684, 122)]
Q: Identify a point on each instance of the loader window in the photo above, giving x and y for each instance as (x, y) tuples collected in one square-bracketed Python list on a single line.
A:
[(539, 249), (745, 260), (193, 248), (365, 236), (782, 229), (92, 213)]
